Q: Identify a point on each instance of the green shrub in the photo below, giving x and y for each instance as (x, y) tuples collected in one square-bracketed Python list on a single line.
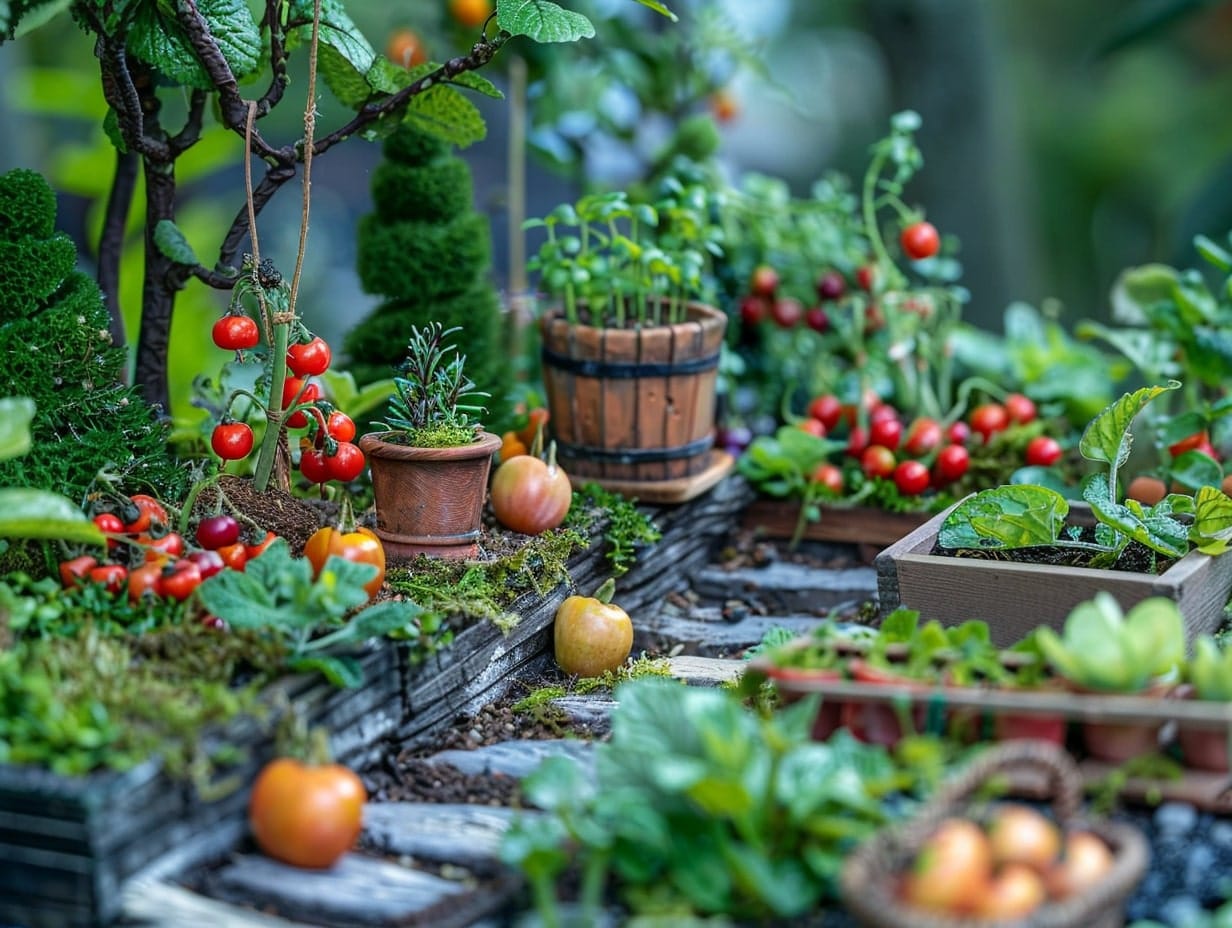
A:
[(57, 351), (428, 252)]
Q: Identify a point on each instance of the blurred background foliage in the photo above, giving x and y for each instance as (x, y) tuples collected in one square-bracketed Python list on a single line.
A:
[(1063, 141)]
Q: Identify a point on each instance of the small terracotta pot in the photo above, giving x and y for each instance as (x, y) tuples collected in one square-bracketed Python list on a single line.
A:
[(1202, 748), (880, 723), (429, 500), (1117, 742), (1009, 726), (828, 719)]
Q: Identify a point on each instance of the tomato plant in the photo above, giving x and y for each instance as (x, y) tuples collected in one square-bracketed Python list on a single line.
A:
[(306, 816), (110, 576), (74, 571), (530, 495), (163, 547), (952, 463), (145, 580), (234, 556), (1020, 409), (831, 286), (923, 437), (827, 410), (313, 466), (1043, 451), (911, 477), (812, 426), (958, 433), (857, 440), (877, 461), (886, 431), (919, 240), (231, 440), (310, 358), (359, 545), (180, 579), (209, 562), (236, 332), (150, 512), (753, 310), (817, 320), (829, 477), (866, 277), (764, 281), (1192, 442), (592, 635), (988, 419)]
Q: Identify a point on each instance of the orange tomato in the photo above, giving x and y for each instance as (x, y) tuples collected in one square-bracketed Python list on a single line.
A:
[(360, 546), (511, 446), (405, 48), (306, 816), (470, 13), (724, 106)]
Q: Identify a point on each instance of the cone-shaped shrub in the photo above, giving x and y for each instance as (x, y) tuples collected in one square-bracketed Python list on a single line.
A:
[(428, 252)]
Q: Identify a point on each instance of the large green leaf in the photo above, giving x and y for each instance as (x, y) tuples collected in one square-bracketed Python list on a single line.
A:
[(477, 83), (542, 21), (1212, 525), (39, 514), (171, 242), (445, 112), (1005, 517), (15, 416), (345, 55), (1107, 437), (157, 39), (17, 17)]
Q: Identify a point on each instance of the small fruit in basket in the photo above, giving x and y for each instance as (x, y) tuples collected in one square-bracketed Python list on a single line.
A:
[(1021, 835), (1016, 890), (951, 871), (1086, 861)]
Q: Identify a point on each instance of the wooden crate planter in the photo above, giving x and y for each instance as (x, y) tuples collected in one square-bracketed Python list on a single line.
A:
[(867, 527), (1014, 598), (68, 845)]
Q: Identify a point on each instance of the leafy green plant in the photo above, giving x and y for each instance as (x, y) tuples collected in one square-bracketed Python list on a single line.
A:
[(624, 527), (1022, 516), (614, 261), (699, 807), (277, 595), (1103, 649), (1210, 670), (433, 398)]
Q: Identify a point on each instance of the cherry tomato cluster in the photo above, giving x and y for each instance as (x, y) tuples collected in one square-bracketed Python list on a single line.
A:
[(150, 559), (517, 442), (763, 300), (921, 454)]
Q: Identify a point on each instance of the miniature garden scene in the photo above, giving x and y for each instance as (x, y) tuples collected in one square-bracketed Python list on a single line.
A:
[(615, 462)]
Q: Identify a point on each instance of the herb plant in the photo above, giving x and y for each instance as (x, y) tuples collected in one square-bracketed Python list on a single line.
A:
[(433, 398), (1021, 516)]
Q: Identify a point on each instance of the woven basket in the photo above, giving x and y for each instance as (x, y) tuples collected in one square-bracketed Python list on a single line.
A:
[(867, 880)]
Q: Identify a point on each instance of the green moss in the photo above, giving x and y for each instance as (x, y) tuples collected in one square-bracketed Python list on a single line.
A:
[(30, 272), (413, 147), (625, 527), (27, 205), (538, 701), (433, 192), (422, 260)]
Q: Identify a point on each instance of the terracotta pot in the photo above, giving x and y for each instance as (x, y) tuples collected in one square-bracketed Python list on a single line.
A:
[(879, 722), (1202, 748), (429, 500), (633, 404), (1117, 742), (828, 719), (1009, 726)]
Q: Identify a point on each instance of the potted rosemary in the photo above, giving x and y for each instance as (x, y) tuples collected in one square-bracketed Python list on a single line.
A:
[(631, 350), (431, 457)]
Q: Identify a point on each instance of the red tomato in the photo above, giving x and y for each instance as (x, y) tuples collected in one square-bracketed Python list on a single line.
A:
[(753, 310), (236, 332), (829, 477), (208, 562), (764, 282), (234, 556), (866, 277), (857, 441), (312, 393), (1190, 443), (919, 240), (923, 436), (831, 286), (877, 461), (149, 512), (530, 496), (340, 426), (346, 464), (911, 478), (312, 465), (787, 312), (307, 359), (253, 551), (885, 431), (218, 531), (952, 463), (812, 426), (109, 524), (1043, 451), (826, 409), (74, 571), (817, 320), (111, 576), (360, 546), (958, 433), (1019, 408), (166, 546), (231, 440), (180, 579), (988, 419), (1208, 449), (306, 816), (145, 580)]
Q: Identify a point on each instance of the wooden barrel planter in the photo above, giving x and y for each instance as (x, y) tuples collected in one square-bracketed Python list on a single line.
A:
[(634, 405)]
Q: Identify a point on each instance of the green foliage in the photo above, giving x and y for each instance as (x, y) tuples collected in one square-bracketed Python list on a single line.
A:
[(277, 595), (1210, 670), (699, 807), (156, 37), (624, 526), (58, 353), (428, 252), (433, 397), (1102, 649)]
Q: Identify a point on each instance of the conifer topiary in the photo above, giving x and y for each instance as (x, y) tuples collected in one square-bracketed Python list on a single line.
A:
[(57, 351), (428, 252)]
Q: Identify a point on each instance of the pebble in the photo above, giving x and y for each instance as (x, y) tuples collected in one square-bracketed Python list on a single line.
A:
[(1198, 866), (1221, 834), (1175, 818), (1180, 910), (515, 758)]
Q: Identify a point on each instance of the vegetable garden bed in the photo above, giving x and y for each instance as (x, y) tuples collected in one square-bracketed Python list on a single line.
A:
[(70, 843)]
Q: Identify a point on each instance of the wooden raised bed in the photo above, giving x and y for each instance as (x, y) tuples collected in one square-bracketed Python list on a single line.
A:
[(1015, 598), (867, 527), (69, 844)]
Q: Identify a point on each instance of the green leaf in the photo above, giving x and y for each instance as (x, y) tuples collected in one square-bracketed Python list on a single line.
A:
[(1214, 253), (1194, 469), (171, 242), (111, 129), (39, 514), (1212, 525), (18, 17), (157, 39), (477, 83), (15, 416), (342, 672), (446, 113), (382, 618), (346, 60), (659, 8), (1140, 288), (355, 402), (542, 21), (1107, 437), (1005, 517)]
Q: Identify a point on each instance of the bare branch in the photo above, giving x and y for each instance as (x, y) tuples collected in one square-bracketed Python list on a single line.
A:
[(191, 133), (277, 57)]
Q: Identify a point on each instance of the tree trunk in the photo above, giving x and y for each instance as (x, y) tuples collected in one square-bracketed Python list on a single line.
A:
[(158, 289), (111, 244)]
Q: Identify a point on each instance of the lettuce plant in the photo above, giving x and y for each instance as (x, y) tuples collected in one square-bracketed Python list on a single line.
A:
[(1210, 670), (1027, 515)]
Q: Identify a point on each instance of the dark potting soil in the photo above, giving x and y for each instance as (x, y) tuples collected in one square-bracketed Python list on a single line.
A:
[(1136, 558)]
